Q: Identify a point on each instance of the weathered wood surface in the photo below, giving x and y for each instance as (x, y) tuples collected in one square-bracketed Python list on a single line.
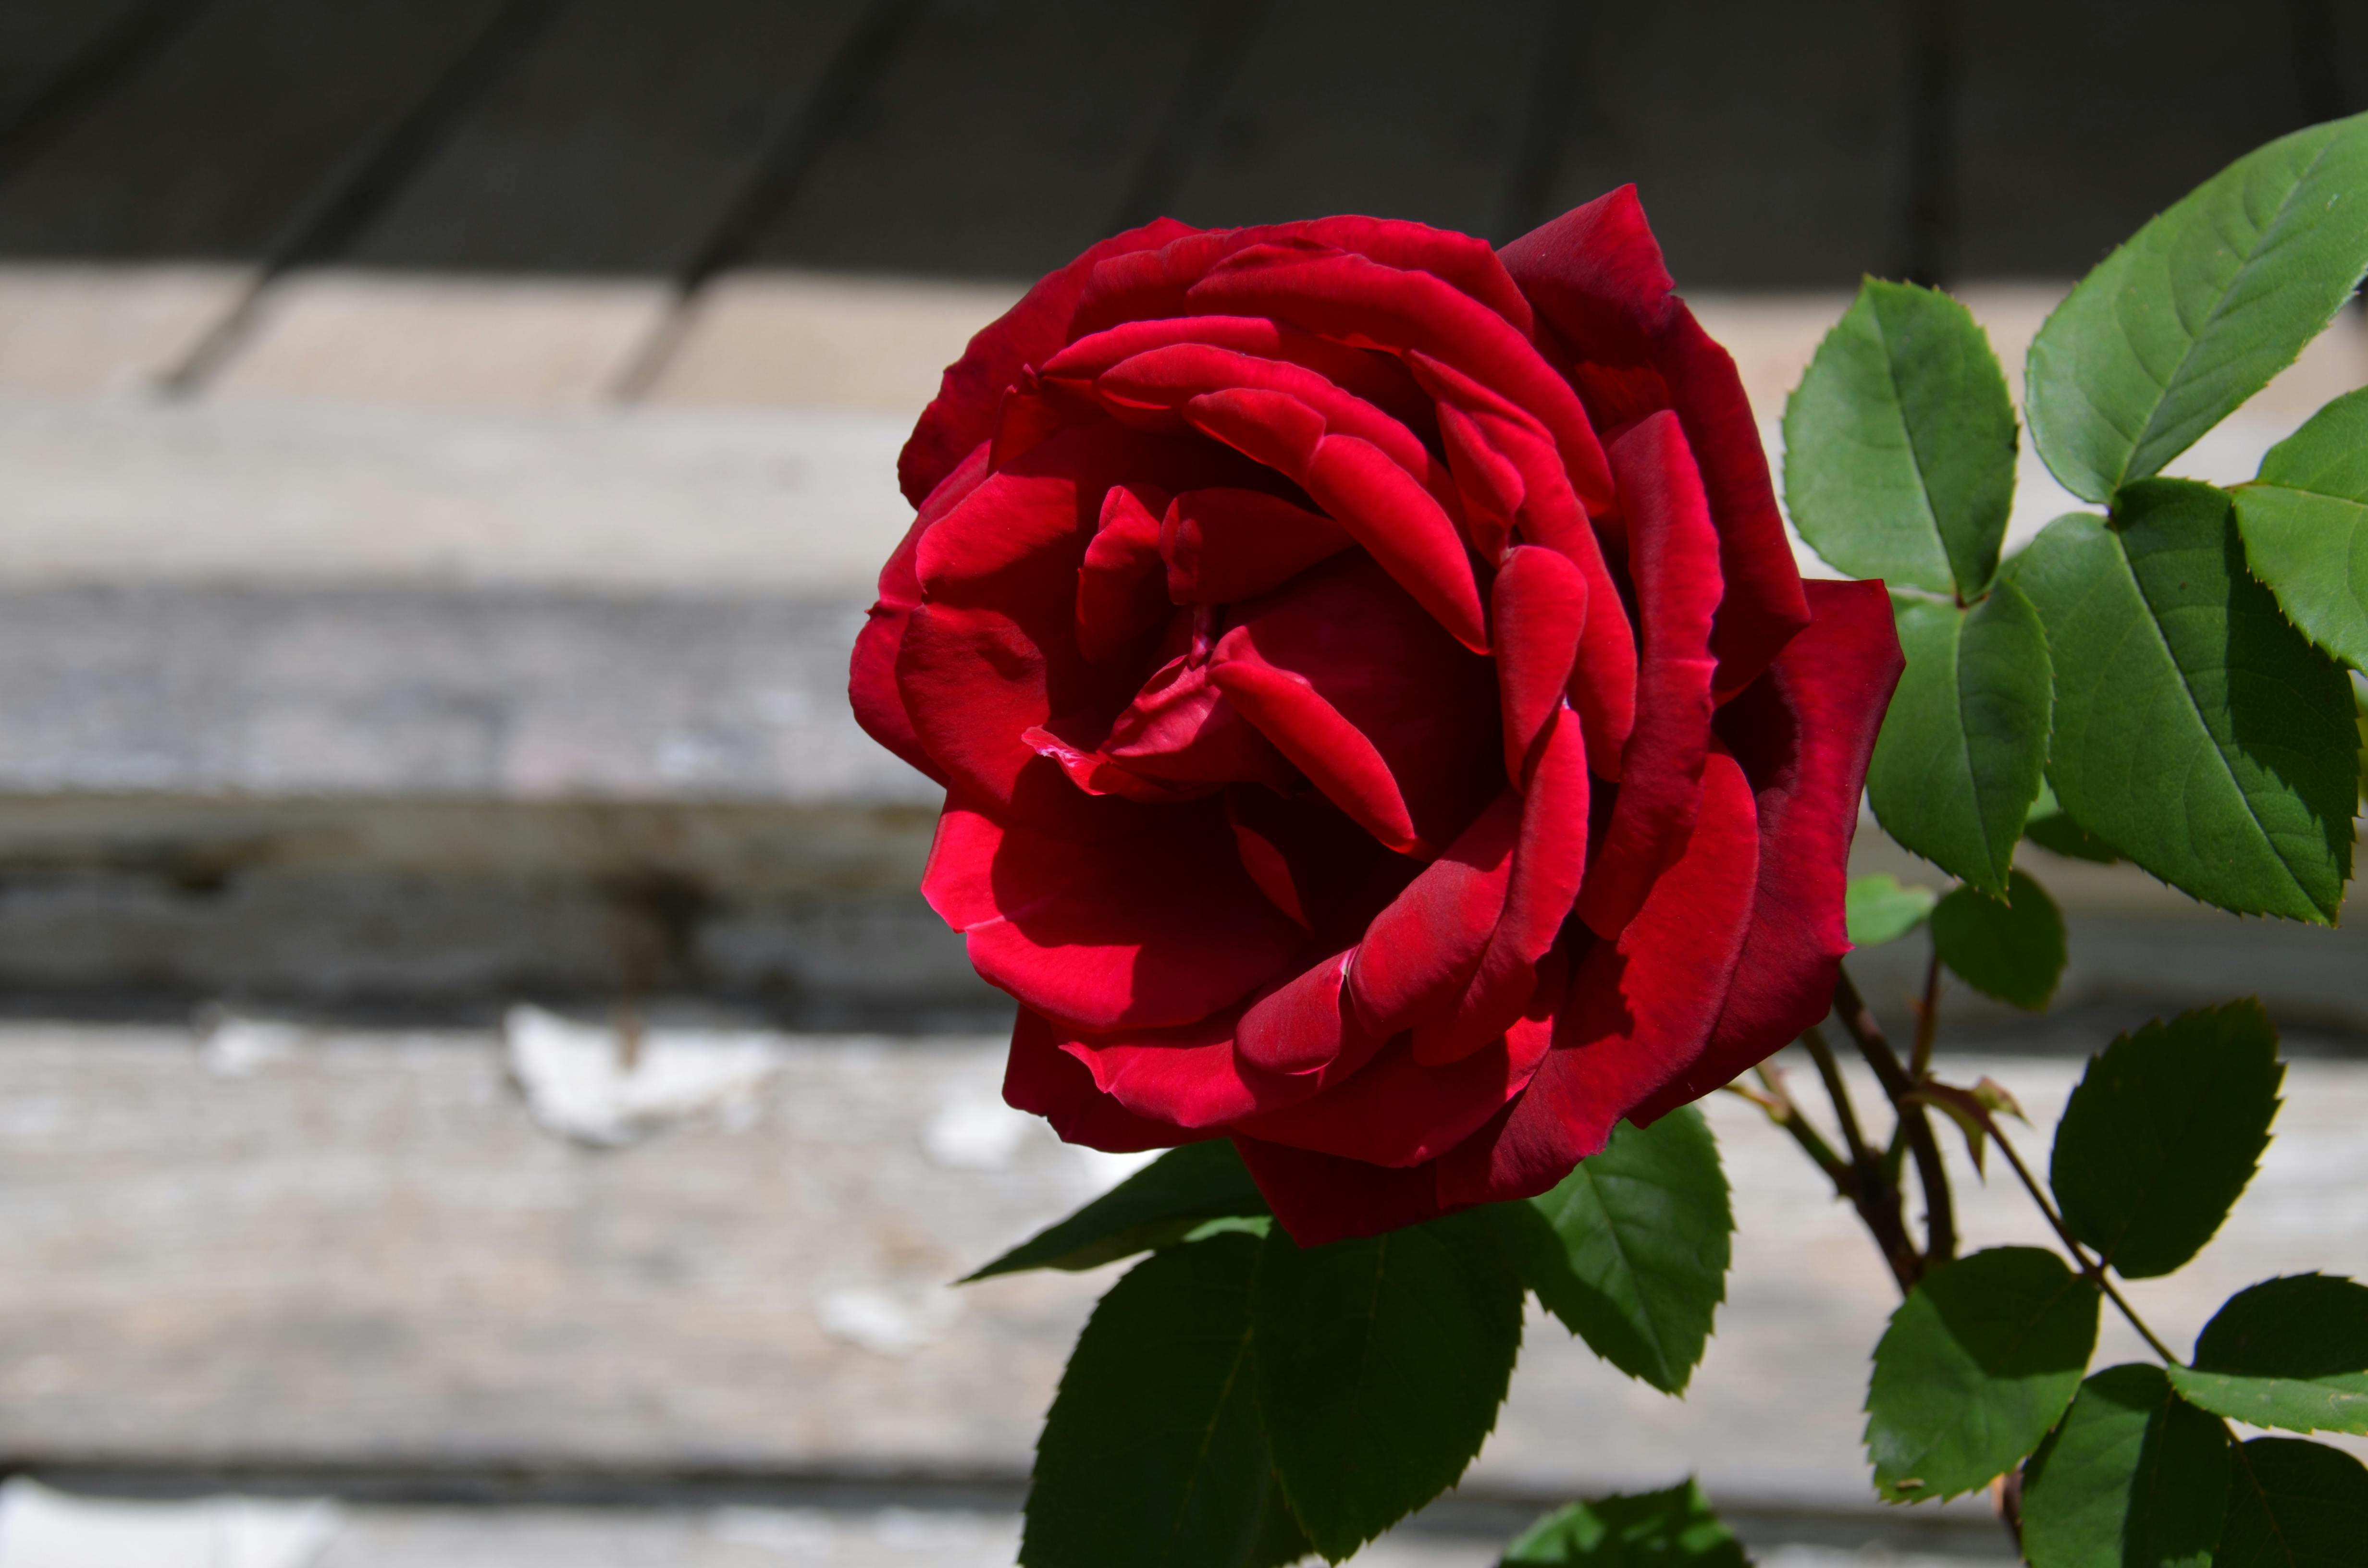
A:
[(363, 1251)]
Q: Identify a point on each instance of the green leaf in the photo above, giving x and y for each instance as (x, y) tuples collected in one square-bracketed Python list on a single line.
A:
[(1169, 1201), (2013, 951), (2162, 1133), (2305, 526), (2133, 1478), (1382, 1362), (1881, 909), (2195, 729), (1978, 1364), (1899, 443), (1958, 763), (2200, 309), (1630, 1251), (2052, 828), (2290, 1352), (1153, 1452), (2294, 1504), (1649, 1530)]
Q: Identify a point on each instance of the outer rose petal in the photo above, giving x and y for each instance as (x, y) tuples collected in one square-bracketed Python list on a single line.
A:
[(1042, 1078), (971, 394), (1639, 1010), (1323, 1198), (1596, 276), (1157, 928), (871, 687), (1803, 732)]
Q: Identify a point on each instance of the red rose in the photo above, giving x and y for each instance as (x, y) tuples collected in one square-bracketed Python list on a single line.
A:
[(1380, 716)]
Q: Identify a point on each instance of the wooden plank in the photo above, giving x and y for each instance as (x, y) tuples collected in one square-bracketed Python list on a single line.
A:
[(1768, 143), (360, 1249), (435, 338), (1001, 140), (1400, 109), (84, 329), (620, 144), (220, 144), (2078, 122)]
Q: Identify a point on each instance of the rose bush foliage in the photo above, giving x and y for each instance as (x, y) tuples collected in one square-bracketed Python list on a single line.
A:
[(1380, 718)]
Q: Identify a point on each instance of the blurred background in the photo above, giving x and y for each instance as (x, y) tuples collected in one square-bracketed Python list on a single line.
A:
[(476, 1083)]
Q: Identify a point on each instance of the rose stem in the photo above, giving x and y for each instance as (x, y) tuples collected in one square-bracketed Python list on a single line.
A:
[(2093, 1269), (1940, 1213), (1928, 1019), (1877, 1201), (1778, 1107)]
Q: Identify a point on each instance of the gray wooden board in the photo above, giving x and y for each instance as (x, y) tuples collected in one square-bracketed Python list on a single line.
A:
[(1399, 109), (226, 136), (619, 144), (360, 1251), (2078, 123), (1001, 140), (1768, 143)]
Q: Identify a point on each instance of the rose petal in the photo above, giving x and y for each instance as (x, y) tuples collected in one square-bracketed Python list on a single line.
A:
[(1121, 582), (1540, 601), (1225, 545), (1673, 557), (1596, 277), (1040, 1078), (1419, 952), (1378, 379), (970, 396), (1323, 1198), (1640, 1009), (1803, 732), (1157, 928), (1369, 699)]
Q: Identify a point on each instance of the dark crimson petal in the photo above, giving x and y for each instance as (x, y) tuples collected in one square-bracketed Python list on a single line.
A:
[(1180, 727), (1396, 1111), (871, 677), (1377, 379), (1314, 862), (1192, 1077), (1596, 277), (1121, 583), (1301, 1026), (1369, 699), (1040, 1077), (970, 397), (1640, 1009), (1382, 506), (1604, 682), (992, 651), (1157, 928), (1549, 860), (1673, 558), (1539, 601), (1803, 732), (1467, 263), (1419, 952), (1370, 305), (1224, 545), (1322, 1197)]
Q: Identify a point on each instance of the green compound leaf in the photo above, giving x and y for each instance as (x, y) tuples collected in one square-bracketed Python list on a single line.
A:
[(2294, 1504), (1153, 1452), (1382, 1362), (2200, 309), (2052, 828), (2305, 526), (2195, 729), (1880, 909), (1958, 763), (1167, 1201), (1978, 1364), (2163, 1132), (2013, 951), (1630, 1251), (1899, 443), (2133, 1478), (1651, 1529), (2290, 1352)]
